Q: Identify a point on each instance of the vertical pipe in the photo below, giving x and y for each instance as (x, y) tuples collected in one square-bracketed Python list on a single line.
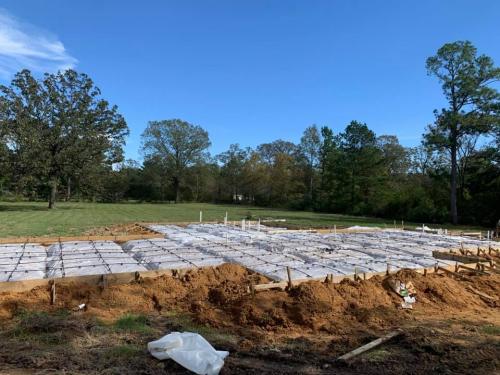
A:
[(201, 216)]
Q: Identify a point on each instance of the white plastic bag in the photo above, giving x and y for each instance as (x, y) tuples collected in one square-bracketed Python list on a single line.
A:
[(189, 350)]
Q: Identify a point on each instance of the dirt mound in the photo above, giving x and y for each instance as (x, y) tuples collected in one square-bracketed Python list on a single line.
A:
[(149, 294), (285, 330), (331, 307), (219, 297), (317, 297), (118, 230)]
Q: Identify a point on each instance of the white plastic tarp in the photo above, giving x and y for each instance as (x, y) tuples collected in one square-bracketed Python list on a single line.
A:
[(190, 350)]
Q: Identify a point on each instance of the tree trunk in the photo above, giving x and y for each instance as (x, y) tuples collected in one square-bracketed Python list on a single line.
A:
[(453, 185), (68, 190), (177, 189), (53, 194), (197, 197), (311, 186)]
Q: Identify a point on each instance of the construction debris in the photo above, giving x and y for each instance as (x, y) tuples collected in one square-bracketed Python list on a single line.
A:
[(369, 346), (405, 290), (190, 350)]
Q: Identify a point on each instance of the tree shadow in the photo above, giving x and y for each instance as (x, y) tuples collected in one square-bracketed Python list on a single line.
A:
[(28, 207)]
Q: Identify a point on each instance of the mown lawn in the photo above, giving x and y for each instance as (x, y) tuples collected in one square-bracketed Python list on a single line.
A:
[(34, 219)]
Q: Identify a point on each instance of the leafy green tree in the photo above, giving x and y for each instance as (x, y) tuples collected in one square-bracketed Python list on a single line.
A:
[(310, 146), (284, 177), (359, 168), (328, 161), (473, 104), (59, 125), (395, 156), (482, 186), (179, 144), (231, 171)]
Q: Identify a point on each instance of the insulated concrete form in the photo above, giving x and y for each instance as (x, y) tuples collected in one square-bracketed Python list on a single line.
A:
[(88, 258), (22, 262), (308, 255), (235, 245), (158, 254), (312, 255)]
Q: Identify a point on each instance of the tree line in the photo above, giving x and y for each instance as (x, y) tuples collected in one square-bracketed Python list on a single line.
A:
[(59, 139)]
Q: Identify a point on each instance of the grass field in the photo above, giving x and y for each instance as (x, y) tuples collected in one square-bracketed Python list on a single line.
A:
[(34, 219)]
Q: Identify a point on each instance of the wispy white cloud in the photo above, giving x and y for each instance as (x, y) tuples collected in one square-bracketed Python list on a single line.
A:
[(25, 46)]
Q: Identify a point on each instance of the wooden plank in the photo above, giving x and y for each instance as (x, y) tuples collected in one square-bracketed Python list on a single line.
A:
[(475, 270), (128, 277), (483, 267), (338, 278), (369, 346), (457, 257), (51, 240), (481, 294), (452, 273), (111, 279)]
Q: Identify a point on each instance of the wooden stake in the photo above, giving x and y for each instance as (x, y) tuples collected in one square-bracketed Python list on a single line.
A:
[(369, 346), (137, 276), (104, 281), (53, 292), (289, 273), (388, 269)]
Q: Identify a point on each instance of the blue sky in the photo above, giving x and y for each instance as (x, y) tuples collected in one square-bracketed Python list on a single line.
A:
[(252, 71)]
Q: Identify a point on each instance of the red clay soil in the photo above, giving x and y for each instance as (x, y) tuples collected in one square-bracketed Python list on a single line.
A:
[(118, 230), (319, 319), (219, 296)]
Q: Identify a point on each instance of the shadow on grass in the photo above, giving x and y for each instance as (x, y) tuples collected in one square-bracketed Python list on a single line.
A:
[(30, 207)]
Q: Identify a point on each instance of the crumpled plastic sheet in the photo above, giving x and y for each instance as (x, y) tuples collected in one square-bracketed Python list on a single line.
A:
[(190, 350)]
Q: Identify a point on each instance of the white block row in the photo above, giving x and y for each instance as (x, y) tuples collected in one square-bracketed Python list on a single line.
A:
[(316, 255), (22, 262), (88, 258), (157, 254)]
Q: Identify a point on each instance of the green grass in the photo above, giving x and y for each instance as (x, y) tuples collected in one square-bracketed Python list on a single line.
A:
[(42, 327), (491, 329), (133, 323), (179, 321), (70, 219), (124, 351)]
